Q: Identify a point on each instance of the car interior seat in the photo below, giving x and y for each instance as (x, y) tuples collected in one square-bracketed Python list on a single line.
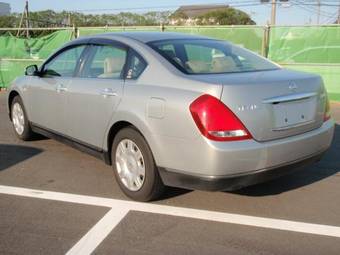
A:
[(112, 67)]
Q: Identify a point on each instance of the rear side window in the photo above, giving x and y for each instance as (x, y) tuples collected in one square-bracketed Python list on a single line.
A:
[(106, 62), (65, 63), (204, 56), (136, 66)]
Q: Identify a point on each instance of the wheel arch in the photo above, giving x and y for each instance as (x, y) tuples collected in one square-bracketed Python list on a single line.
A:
[(119, 125), (115, 128), (11, 96)]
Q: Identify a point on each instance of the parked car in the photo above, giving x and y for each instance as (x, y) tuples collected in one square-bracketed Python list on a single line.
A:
[(169, 109)]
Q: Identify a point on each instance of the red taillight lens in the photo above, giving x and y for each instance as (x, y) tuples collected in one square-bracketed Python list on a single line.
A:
[(327, 114), (216, 121)]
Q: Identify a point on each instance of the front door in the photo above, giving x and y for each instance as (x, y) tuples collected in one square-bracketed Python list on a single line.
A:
[(49, 91), (94, 95)]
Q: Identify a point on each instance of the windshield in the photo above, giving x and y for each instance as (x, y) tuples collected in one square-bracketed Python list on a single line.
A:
[(204, 56)]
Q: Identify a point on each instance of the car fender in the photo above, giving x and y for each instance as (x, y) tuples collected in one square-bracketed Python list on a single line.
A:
[(140, 124)]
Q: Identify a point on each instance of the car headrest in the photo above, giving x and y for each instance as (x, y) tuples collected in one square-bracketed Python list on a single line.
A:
[(198, 66), (223, 64), (113, 65), (169, 53)]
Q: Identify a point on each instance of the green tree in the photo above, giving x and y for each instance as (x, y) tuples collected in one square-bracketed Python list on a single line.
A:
[(8, 21), (179, 17), (227, 16)]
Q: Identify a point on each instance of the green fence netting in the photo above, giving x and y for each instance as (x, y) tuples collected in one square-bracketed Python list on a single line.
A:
[(310, 49), (17, 53)]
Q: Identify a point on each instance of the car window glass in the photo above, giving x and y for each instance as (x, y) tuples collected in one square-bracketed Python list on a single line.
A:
[(65, 63), (169, 51), (106, 62), (136, 67), (199, 53), (200, 56)]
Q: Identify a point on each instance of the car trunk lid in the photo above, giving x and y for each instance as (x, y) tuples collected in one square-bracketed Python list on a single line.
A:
[(273, 104)]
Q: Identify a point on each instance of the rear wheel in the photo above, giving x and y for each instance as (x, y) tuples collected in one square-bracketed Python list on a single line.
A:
[(134, 167), (20, 121)]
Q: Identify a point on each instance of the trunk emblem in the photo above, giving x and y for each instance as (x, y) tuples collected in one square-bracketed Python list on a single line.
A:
[(292, 86), (251, 107)]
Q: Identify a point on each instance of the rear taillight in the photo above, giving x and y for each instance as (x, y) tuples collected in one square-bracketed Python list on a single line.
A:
[(327, 114), (216, 121)]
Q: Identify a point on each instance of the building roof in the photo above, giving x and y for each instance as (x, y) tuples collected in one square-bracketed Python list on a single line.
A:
[(196, 10)]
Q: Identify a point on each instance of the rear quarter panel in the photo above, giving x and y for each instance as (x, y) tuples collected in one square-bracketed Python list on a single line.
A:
[(157, 103)]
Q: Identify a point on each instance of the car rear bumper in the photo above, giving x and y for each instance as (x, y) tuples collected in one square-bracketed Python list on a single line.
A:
[(208, 165), (232, 182)]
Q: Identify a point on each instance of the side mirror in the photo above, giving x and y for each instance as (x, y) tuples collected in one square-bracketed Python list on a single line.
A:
[(32, 70)]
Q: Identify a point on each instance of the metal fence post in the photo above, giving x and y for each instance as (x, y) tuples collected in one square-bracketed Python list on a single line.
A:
[(266, 41)]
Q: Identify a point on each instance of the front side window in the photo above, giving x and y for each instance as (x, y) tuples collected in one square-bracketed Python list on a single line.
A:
[(65, 63), (106, 62), (204, 56)]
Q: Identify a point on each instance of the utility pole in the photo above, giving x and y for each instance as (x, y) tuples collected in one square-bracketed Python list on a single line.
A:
[(69, 23), (338, 13), (27, 21), (319, 10), (24, 16), (273, 16)]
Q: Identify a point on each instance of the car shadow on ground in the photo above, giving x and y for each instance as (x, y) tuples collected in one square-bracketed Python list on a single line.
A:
[(13, 154), (172, 192), (328, 166)]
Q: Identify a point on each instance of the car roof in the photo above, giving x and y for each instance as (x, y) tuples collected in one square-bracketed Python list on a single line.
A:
[(146, 37)]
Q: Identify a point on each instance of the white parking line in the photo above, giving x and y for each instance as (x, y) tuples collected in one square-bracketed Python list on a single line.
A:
[(89, 242), (121, 207)]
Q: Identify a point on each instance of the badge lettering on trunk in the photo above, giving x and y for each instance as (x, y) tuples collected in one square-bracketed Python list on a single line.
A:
[(251, 107)]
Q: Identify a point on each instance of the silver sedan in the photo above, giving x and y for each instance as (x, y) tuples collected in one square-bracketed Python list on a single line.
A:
[(168, 109)]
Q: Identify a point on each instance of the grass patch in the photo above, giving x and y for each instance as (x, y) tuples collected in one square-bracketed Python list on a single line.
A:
[(334, 97)]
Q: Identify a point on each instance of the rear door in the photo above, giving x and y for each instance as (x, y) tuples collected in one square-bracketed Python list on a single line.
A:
[(49, 92), (96, 92)]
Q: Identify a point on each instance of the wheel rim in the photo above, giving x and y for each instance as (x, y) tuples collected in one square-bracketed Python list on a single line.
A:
[(18, 118), (130, 165)]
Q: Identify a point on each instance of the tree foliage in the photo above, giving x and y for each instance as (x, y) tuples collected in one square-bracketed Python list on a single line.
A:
[(50, 18), (8, 21), (227, 16), (178, 15)]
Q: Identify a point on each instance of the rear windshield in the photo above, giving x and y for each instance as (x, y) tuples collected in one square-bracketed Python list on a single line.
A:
[(204, 56)]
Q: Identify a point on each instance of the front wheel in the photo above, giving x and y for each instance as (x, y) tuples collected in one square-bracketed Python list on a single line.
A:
[(20, 121), (134, 166)]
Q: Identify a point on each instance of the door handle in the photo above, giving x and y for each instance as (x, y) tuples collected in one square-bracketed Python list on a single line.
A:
[(108, 92), (61, 88)]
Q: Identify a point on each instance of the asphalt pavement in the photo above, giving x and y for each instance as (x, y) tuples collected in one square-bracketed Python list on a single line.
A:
[(83, 190)]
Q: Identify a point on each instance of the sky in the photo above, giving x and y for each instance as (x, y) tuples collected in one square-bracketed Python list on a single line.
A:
[(287, 14)]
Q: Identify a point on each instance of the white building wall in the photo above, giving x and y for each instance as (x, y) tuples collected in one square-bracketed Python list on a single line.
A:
[(5, 9)]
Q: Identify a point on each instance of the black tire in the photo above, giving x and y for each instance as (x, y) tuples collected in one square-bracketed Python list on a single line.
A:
[(153, 186), (27, 133)]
